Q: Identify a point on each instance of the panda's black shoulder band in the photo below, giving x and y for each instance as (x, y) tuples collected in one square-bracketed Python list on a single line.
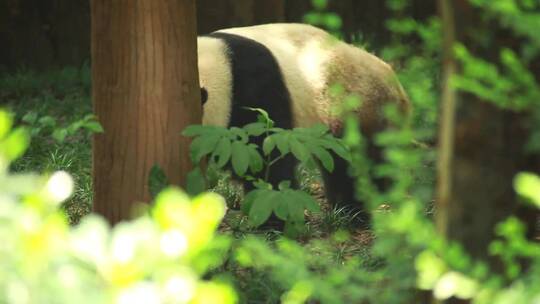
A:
[(258, 81)]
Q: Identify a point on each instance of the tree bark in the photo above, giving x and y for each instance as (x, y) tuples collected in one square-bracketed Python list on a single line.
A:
[(145, 92), (447, 122)]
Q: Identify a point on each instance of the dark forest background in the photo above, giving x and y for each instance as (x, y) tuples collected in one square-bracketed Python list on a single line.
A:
[(40, 34)]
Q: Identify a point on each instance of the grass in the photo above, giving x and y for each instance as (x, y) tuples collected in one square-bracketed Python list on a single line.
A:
[(63, 95)]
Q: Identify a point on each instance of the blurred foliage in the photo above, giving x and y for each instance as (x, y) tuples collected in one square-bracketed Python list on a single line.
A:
[(159, 257), (415, 52), (510, 82), (407, 252), (321, 17), (520, 16), (442, 266)]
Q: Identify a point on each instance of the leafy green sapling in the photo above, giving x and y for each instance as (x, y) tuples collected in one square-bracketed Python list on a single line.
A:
[(48, 125), (234, 148)]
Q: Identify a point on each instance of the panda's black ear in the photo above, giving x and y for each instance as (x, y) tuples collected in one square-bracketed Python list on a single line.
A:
[(204, 96)]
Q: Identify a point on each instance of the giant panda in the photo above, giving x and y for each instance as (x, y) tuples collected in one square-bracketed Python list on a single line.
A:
[(287, 70)]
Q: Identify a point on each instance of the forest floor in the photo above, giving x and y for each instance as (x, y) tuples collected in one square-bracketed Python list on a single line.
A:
[(54, 104)]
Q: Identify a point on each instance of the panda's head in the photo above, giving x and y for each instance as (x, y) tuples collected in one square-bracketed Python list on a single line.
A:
[(215, 80)]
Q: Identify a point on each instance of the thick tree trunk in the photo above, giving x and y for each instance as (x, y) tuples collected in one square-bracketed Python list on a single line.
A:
[(145, 92)]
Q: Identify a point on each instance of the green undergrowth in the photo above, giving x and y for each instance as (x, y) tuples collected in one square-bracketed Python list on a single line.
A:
[(46, 102), (51, 104)]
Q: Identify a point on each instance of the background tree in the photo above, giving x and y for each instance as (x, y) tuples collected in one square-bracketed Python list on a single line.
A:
[(145, 91), (481, 144)]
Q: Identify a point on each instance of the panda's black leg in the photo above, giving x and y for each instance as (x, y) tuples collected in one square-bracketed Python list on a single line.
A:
[(341, 191), (375, 154), (341, 187)]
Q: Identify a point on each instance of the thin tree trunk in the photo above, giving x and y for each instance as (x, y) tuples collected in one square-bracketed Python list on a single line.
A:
[(145, 92), (448, 114)]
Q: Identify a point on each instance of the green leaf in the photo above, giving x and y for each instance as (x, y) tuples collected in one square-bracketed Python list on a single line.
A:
[(6, 121), (332, 21), (298, 150), (47, 121), (30, 117), (94, 126), (14, 145), (240, 133), (268, 145), (324, 157), (305, 200), (281, 208), (265, 117), (284, 185), (194, 130), (430, 268), (89, 117), (282, 142), (255, 129), (240, 158), (262, 184), (313, 18), (262, 207), (248, 200), (202, 146), (60, 135), (527, 185), (34, 131), (255, 159), (318, 129), (157, 180), (195, 182), (341, 151), (74, 127), (223, 152), (277, 130), (319, 4), (296, 208), (293, 229)]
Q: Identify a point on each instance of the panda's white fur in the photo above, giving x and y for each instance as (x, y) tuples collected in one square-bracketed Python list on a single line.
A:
[(311, 60), (215, 76)]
